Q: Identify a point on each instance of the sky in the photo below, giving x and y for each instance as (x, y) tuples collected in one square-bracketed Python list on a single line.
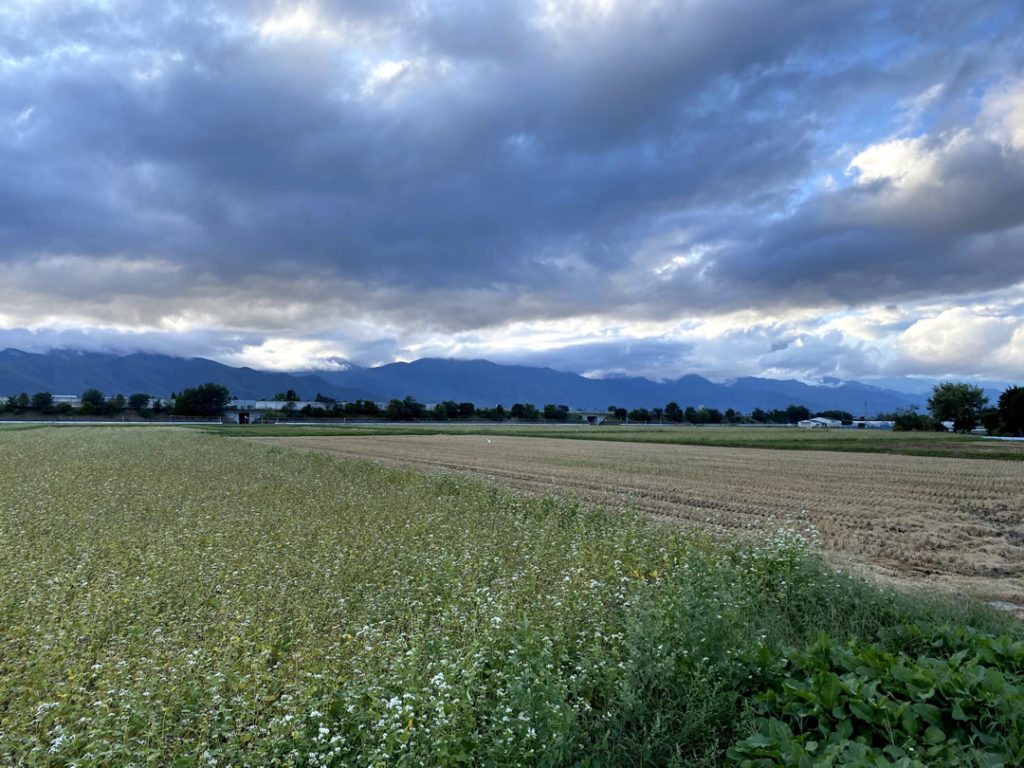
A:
[(831, 188)]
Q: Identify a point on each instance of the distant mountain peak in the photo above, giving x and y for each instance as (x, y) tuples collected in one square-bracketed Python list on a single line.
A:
[(431, 380)]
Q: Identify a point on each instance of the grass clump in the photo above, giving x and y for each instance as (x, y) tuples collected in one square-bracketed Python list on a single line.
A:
[(171, 598)]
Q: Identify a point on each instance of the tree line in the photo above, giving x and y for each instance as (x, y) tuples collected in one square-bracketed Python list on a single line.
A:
[(410, 409), (204, 401), (965, 405)]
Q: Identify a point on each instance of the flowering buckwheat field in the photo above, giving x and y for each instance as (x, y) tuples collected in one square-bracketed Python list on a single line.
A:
[(917, 521), (173, 598)]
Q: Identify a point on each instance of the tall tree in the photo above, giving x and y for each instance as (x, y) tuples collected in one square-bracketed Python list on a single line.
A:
[(138, 401), (554, 412), (1011, 410), (406, 410), (795, 413), (207, 400), (42, 401), (958, 402), (673, 412), (92, 401)]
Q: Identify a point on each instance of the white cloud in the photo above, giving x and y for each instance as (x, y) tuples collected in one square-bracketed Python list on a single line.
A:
[(1010, 357), (902, 162), (296, 22), (955, 340), (289, 354), (1003, 114), (383, 73), (925, 160)]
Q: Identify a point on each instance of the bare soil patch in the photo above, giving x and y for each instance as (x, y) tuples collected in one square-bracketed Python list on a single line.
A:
[(914, 522)]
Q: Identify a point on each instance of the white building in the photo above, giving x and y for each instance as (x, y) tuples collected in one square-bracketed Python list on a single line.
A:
[(819, 422)]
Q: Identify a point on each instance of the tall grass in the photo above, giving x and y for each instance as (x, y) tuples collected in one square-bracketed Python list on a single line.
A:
[(170, 598)]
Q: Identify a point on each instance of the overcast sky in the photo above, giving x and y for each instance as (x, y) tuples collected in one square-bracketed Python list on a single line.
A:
[(724, 187)]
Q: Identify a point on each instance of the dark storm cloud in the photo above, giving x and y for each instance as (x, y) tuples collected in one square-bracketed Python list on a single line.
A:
[(515, 160)]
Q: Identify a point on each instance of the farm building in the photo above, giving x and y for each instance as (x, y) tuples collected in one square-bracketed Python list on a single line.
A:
[(252, 411), (819, 422)]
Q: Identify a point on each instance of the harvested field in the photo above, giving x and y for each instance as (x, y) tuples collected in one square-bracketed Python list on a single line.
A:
[(950, 524)]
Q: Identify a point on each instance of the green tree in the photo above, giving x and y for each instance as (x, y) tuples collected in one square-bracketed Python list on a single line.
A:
[(991, 422), (405, 410), (958, 402), (449, 409), (116, 404), (497, 413), (525, 412), (909, 420), (1011, 410), (138, 401), (42, 401), (795, 413), (641, 415), (690, 414), (619, 413), (207, 400), (362, 408), (92, 401), (554, 412), (22, 401), (673, 412)]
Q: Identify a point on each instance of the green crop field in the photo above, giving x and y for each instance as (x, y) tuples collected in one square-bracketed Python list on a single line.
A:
[(171, 598)]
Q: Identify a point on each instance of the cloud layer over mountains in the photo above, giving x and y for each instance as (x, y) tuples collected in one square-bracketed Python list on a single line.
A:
[(729, 188)]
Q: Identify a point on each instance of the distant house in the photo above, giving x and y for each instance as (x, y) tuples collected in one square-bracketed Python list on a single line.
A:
[(819, 422), (252, 411)]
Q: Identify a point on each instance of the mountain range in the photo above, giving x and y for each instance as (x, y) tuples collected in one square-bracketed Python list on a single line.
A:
[(429, 380)]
